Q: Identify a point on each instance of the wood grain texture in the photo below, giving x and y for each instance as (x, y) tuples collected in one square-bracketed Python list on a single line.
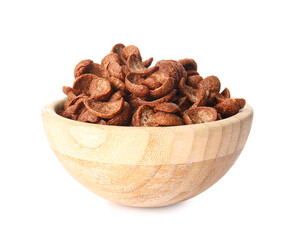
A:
[(146, 166)]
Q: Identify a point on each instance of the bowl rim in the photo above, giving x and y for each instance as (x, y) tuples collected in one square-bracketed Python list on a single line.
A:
[(243, 114)]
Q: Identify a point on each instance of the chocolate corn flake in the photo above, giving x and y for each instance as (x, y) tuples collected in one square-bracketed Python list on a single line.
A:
[(211, 84), (167, 119), (199, 115), (133, 84), (135, 65), (144, 116), (227, 107), (106, 110), (167, 107), (188, 64), (163, 90)]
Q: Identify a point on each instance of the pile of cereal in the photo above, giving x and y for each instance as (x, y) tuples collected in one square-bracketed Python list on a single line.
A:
[(124, 90)]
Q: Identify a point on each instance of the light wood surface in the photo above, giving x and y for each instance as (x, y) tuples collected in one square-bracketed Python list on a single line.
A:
[(146, 166)]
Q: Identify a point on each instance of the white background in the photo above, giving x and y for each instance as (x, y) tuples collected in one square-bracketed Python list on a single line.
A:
[(250, 45)]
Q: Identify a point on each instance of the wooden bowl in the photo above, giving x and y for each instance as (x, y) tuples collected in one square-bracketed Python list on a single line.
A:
[(146, 166)]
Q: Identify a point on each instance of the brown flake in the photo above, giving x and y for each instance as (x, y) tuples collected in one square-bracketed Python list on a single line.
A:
[(163, 90), (194, 81), (73, 111), (199, 115), (198, 96), (86, 116), (211, 84), (82, 67), (144, 116), (171, 69), (116, 96), (167, 119), (154, 103), (151, 83), (133, 84), (183, 103), (148, 62), (226, 93), (82, 83), (118, 48), (117, 84), (167, 107), (104, 109), (123, 118), (100, 89), (188, 64), (228, 107), (131, 50), (241, 102), (135, 66)]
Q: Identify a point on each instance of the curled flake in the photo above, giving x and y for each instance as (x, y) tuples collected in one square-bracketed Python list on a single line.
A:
[(115, 70), (123, 118), (160, 76), (226, 93), (116, 96), (211, 84), (183, 103), (167, 107), (86, 116), (112, 63), (148, 62), (71, 101), (151, 83), (241, 102), (135, 66), (118, 48), (214, 98), (167, 119), (133, 84), (228, 107), (170, 67), (66, 90), (70, 92), (163, 90), (73, 111), (199, 115), (154, 103), (117, 84), (198, 96), (130, 50), (194, 81), (98, 70), (100, 89), (144, 116), (110, 58), (104, 109), (82, 67), (188, 64), (82, 83), (179, 68)]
